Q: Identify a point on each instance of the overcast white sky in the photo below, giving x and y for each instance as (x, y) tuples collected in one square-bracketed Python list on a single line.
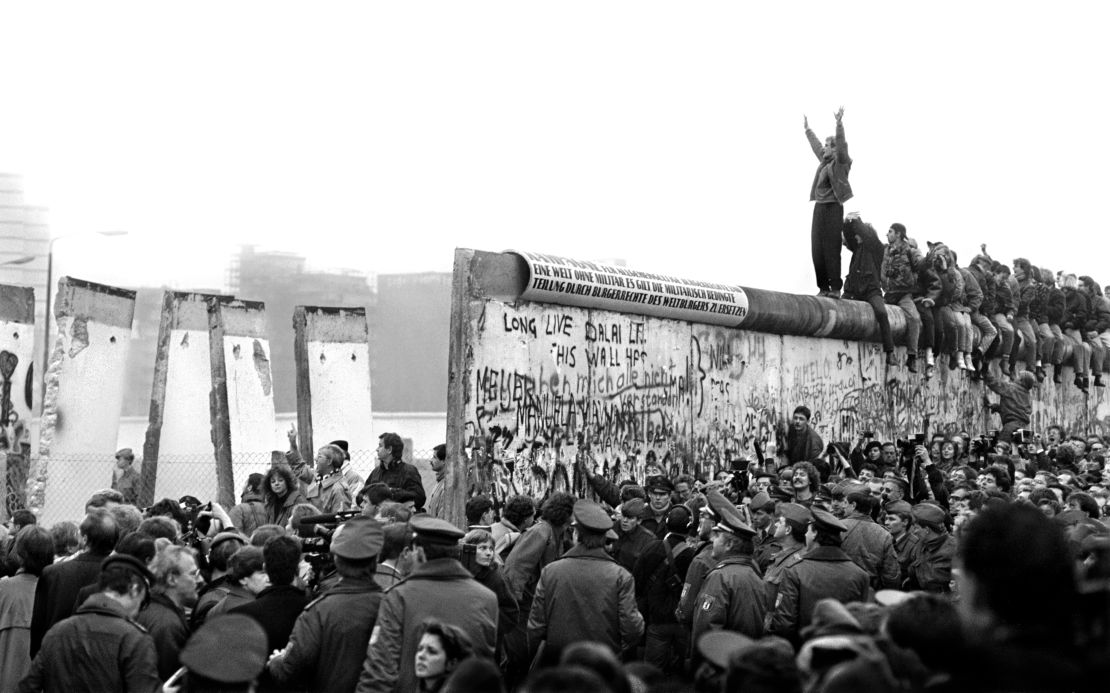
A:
[(380, 136)]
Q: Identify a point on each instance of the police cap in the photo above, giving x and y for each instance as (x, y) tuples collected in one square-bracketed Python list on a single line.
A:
[(357, 539), (591, 516), (762, 501), (898, 507), (432, 530), (825, 521), (659, 482), (729, 518), (718, 646), (795, 515), (928, 514), (634, 508), (229, 648), (781, 494), (125, 452)]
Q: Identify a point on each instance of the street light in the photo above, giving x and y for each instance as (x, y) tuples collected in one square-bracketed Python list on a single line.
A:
[(49, 280)]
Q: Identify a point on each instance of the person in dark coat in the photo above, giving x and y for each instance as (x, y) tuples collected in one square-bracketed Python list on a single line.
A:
[(660, 573), (585, 595), (101, 647), (824, 572), (223, 547), (868, 543), (930, 562), (634, 537), (829, 192), (175, 588), (1077, 310), (329, 639), (438, 587), (277, 607), (733, 596), (1015, 404), (864, 281), (802, 442), (925, 297), (57, 589), (391, 471), (486, 571), (898, 274)]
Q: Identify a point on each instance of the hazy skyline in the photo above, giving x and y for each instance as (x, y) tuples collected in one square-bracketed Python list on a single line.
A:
[(379, 137)]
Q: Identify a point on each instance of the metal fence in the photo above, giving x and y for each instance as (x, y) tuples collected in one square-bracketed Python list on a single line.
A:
[(68, 481)]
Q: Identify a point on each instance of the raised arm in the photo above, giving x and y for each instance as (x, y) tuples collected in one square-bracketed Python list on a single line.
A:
[(814, 143), (841, 142)]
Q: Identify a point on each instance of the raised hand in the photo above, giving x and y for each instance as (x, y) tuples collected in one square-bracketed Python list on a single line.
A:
[(839, 114), (805, 121)]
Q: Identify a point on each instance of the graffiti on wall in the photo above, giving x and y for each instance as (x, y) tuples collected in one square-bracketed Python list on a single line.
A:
[(556, 390)]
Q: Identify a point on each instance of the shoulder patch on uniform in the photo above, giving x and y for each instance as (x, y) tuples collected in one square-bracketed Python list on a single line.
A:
[(707, 602)]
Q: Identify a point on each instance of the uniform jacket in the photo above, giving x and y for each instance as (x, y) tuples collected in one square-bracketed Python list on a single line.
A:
[(825, 571), (930, 567), (903, 547), (56, 592), (400, 475), (127, 484), (250, 514), (441, 589), (865, 267), (386, 576), (765, 549), (585, 595), (17, 598), (328, 644), (166, 623), (97, 649), (700, 566), (871, 547), (539, 545), (330, 494), (899, 268), (772, 577), (838, 168), (276, 609), (733, 597)]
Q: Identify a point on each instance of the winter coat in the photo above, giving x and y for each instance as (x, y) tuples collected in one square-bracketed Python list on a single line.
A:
[(166, 623), (973, 294), (825, 571), (97, 649), (276, 609), (328, 645), (899, 268), (585, 595), (279, 510), (695, 577), (1003, 298), (1099, 318), (440, 588), (871, 547), (1055, 305), (399, 475), (1038, 306), (1025, 299), (930, 567), (865, 267), (838, 168), (987, 285), (656, 591), (952, 289), (250, 514), (539, 545), (733, 597), (1076, 310)]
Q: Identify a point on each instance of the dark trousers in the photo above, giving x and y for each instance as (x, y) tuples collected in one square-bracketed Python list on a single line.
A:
[(828, 221), (928, 324), (878, 305)]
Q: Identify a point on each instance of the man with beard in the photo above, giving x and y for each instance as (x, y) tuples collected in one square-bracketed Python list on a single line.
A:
[(804, 483), (802, 442), (175, 589)]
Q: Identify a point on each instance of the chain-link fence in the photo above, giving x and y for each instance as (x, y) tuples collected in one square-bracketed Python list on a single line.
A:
[(59, 486)]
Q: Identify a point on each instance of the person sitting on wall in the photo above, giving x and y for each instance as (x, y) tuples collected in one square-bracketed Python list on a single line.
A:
[(802, 442), (393, 472), (863, 283)]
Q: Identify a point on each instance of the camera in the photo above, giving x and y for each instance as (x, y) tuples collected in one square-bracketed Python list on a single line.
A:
[(1022, 437)]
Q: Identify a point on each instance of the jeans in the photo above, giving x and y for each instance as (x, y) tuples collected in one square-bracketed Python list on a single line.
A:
[(1028, 348), (665, 644), (1006, 332), (987, 331), (956, 328), (1046, 342), (1081, 350), (879, 307), (913, 319), (928, 324), (825, 235)]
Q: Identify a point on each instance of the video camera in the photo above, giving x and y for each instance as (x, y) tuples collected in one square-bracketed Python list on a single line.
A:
[(315, 533), (909, 447), (984, 445), (1022, 437)]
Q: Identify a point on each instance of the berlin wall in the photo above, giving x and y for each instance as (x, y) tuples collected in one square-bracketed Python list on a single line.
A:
[(82, 399), (332, 355), (554, 360), (17, 386)]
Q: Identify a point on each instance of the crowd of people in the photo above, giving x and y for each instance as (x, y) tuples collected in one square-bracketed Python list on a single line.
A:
[(948, 564), (975, 314)]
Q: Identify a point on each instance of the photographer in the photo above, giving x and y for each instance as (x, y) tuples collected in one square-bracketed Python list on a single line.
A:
[(925, 480)]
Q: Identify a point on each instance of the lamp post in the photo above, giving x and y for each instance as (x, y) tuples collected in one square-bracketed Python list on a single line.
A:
[(49, 280)]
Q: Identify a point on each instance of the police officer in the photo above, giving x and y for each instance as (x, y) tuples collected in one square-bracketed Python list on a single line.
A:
[(585, 595), (328, 643), (732, 596), (930, 563), (790, 536), (438, 587), (824, 572), (763, 518), (868, 544), (702, 563)]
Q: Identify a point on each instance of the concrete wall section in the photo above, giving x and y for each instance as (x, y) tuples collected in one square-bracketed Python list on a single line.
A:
[(536, 387), (333, 377), (17, 376), (84, 392), (177, 454), (249, 384)]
